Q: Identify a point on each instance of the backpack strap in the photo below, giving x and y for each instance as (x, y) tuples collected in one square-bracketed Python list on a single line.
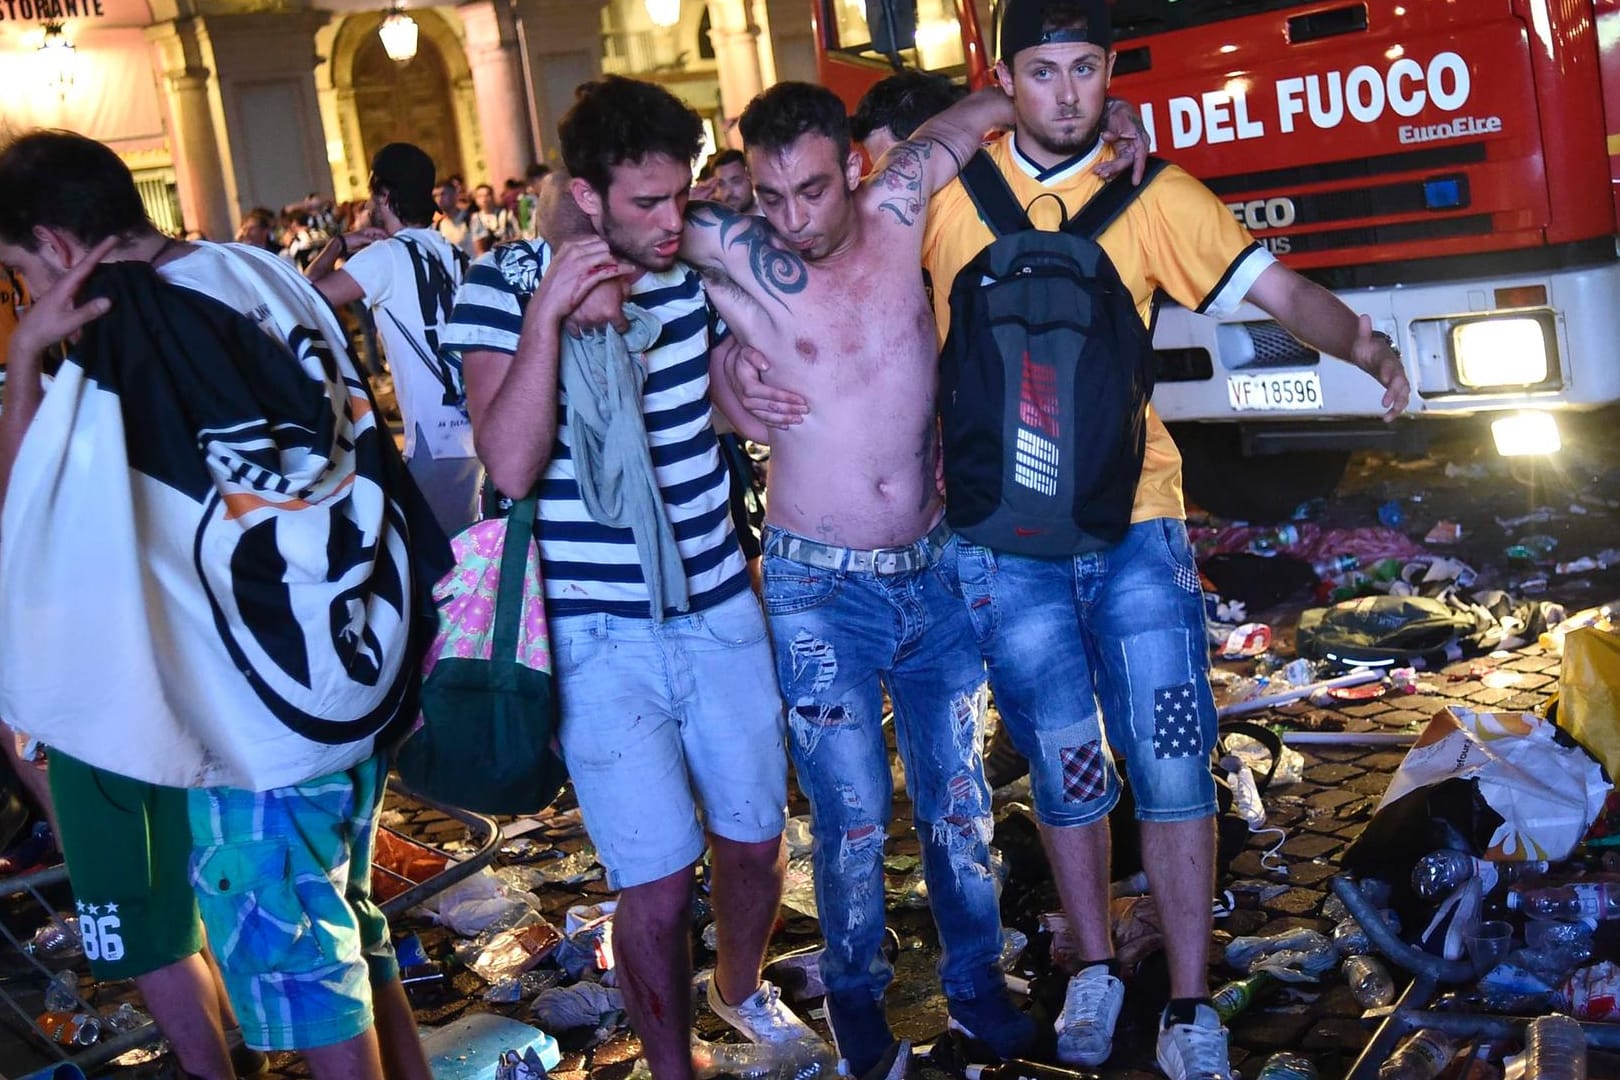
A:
[(998, 207), (1104, 208), (436, 293)]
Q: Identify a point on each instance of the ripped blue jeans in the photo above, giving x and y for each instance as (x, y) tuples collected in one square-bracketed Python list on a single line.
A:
[(840, 637)]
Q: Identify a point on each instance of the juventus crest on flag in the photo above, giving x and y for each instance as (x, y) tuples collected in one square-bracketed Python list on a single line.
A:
[(205, 575)]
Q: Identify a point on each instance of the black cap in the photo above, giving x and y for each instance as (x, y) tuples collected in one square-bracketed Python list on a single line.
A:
[(1020, 23), (404, 169)]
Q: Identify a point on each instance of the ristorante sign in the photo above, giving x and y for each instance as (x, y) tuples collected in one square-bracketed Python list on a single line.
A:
[(50, 10)]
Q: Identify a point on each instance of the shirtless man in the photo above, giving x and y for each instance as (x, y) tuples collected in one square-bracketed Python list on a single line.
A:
[(828, 284)]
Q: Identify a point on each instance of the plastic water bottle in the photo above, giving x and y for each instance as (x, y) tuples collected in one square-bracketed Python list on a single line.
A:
[(1568, 903), (1554, 1049), (1335, 567), (1370, 981), (62, 991), (1421, 1057), (1285, 1066), (57, 941), (1439, 873), (1351, 940), (1271, 541)]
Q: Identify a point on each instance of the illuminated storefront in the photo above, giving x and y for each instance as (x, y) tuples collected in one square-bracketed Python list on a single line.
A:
[(223, 105)]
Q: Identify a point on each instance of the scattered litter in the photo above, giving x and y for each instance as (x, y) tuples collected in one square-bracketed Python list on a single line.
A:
[(799, 888), (1369, 691), (575, 869), (1246, 642), (581, 1005), (478, 903), (1593, 993), (513, 951), (796, 833), (1444, 532)]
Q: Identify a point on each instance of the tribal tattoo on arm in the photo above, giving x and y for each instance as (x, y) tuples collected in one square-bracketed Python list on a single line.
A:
[(904, 178), (776, 273)]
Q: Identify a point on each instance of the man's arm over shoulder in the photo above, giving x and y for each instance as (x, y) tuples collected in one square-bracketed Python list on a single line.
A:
[(740, 252), (915, 169)]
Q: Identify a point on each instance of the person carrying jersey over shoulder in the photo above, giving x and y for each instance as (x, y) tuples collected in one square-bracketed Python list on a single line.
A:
[(407, 273), (214, 598)]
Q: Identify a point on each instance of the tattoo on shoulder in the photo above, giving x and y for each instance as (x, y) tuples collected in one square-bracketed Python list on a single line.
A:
[(903, 179), (777, 273)]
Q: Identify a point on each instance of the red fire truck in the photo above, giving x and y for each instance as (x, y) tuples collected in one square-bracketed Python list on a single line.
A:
[(1445, 167)]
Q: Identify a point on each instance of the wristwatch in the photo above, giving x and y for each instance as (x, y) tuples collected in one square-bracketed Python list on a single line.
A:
[(1379, 335)]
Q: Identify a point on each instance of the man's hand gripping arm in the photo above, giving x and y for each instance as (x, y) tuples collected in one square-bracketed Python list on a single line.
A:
[(512, 400)]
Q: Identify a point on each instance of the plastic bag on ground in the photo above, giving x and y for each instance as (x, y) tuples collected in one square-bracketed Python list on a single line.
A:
[(1589, 693), (478, 903), (1511, 786), (511, 952), (799, 889)]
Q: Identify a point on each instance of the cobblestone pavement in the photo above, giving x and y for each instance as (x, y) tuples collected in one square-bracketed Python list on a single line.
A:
[(1323, 814)]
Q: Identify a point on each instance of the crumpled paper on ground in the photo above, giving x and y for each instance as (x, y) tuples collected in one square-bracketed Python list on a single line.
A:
[(1593, 992), (1547, 794)]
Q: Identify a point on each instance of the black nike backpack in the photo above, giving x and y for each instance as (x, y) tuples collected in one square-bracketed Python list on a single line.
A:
[(1044, 379)]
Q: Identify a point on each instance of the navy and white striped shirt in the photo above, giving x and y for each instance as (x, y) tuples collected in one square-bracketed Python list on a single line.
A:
[(591, 568)]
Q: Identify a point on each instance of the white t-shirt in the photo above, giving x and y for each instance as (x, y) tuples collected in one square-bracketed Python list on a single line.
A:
[(457, 229), (497, 225), (387, 275)]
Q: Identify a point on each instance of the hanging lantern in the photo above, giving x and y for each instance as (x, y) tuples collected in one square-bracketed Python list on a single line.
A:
[(398, 32), (664, 13), (58, 58)]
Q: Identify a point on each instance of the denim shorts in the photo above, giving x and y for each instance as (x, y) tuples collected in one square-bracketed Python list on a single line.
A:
[(664, 722), (1098, 655), (283, 880)]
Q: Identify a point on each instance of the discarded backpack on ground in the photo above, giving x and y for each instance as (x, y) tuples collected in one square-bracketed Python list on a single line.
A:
[(489, 714), (1389, 631), (1044, 379)]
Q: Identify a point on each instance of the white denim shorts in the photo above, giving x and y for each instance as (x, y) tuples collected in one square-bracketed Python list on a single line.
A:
[(670, 729)]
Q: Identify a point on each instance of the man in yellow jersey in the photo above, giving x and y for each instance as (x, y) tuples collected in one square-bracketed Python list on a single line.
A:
[(1104, 653)]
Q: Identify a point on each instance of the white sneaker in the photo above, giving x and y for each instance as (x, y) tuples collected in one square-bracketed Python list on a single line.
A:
[(1195, 1051), (1085, 1030), (761, 1017)]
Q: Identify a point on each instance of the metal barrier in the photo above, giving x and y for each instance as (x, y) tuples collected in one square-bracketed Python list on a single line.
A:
[(486, 837)]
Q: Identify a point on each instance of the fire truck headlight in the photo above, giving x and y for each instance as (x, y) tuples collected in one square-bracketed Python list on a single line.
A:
[(1500, 352), (1525, 433)]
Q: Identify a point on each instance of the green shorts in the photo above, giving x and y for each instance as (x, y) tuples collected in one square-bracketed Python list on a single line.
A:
[(128, 849), (283, 878)]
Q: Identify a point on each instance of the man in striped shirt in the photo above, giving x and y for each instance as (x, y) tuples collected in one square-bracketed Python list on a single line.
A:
[(672, 723)]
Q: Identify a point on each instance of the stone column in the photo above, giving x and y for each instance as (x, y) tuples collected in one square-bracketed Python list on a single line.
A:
[(497, 74), (264, 68), (198, 169), (563, 43), (736, 40), (792, 41)]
